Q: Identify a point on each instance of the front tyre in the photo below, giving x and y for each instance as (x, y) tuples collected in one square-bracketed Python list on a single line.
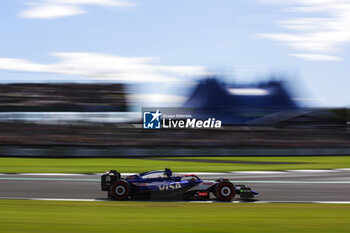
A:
[(120, 190), (225, 191)]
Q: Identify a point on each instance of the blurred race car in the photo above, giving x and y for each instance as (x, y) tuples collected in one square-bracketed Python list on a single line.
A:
[(163, 185)]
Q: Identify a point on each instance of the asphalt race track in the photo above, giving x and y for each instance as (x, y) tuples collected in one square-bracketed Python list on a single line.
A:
[(292, 186)]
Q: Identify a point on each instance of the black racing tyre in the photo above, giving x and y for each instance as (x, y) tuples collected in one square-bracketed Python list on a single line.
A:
[(225, 191), (120, 190)]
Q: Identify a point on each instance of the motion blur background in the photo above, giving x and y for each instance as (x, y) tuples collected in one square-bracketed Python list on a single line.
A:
[(75, 74)]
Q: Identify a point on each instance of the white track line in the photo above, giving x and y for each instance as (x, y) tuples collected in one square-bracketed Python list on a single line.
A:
[(332, 202), (313, 171), (197, 173), (199, 202), (63, 199), (50, 199), (289, 182), (202, 173), (53, 174), (260, 172), (343, 169)]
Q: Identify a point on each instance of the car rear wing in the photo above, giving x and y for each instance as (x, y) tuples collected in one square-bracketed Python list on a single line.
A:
[(108, 178)]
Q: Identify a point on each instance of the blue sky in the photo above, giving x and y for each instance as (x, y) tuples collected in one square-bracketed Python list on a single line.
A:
[(173, 42)]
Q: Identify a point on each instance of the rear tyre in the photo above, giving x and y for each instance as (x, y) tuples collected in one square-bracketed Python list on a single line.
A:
[(120, 190), (225, 191)]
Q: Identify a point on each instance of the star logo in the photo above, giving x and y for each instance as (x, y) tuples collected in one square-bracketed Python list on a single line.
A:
[(156, 115), (152, 120)]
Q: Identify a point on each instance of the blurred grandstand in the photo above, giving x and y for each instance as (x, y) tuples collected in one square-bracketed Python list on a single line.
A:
[(62, 98), (268, 103), (92, 120)]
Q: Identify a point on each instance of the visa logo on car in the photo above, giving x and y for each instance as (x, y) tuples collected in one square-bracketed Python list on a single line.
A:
[(167, 187)]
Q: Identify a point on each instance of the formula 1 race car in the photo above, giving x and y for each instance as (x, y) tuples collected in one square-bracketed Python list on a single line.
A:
[(163, 185)]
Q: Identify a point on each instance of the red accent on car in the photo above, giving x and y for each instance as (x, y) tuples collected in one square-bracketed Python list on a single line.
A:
[(202, 194), (131, 177), (207, 183), (141, 184)]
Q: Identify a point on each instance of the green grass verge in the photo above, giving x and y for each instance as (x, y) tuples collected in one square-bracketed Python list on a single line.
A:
[(25, 165), (51, 216)]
